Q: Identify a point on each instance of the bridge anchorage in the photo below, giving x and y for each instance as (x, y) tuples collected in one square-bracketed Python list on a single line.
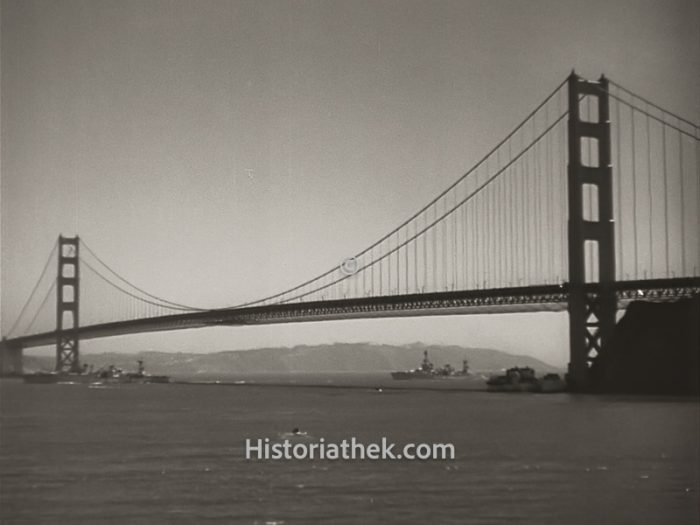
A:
[(541, 223)]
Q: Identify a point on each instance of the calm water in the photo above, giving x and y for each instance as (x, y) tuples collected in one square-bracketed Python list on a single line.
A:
[(175, 454)]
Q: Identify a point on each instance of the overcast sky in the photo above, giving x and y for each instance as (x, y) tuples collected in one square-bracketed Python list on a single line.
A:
[(216, 151)]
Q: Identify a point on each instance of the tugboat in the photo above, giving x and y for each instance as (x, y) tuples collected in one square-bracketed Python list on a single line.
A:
[(428, 371), (517, 379), (551, 383), (522, 379)]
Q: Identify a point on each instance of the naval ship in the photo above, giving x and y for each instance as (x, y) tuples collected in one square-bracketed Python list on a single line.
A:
[(428, 371), (110, 374)]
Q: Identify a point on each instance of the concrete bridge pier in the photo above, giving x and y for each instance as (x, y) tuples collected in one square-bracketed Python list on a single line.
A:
[(10, 359)]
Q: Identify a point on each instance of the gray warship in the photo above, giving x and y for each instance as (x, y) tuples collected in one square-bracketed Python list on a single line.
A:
[(428, 371)]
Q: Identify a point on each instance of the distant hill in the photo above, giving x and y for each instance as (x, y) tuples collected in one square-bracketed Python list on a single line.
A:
[(339, 357)]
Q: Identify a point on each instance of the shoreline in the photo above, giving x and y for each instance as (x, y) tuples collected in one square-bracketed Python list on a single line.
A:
[(379, 388)]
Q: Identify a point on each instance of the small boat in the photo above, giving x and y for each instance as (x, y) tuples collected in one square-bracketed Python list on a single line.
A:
[(295, 434)]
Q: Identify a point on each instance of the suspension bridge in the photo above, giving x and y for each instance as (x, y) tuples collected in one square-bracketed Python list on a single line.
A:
[(592, 201)]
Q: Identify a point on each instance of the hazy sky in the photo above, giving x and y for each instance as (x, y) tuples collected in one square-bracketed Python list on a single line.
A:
[(216, 151)]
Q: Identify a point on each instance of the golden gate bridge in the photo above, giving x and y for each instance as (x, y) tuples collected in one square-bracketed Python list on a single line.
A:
[(590, 202)]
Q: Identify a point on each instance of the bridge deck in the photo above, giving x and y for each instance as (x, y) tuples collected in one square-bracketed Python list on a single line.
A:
[(547, 298)]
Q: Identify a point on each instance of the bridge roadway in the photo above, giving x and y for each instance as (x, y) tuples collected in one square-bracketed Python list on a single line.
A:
[(547, 298)]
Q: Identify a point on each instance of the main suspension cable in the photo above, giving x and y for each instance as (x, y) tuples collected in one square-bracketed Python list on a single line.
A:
[(168, 307), (423, 209), (160, 299), (36, 286)]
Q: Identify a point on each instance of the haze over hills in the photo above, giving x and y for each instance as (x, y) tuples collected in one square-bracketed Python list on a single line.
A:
[(339, 357)]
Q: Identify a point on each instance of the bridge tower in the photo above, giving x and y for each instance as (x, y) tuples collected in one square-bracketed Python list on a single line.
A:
[(67, 305), (592, 307)]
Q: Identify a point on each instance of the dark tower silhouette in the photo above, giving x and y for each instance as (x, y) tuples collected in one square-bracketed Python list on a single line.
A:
[(67, 305), (592, 308)]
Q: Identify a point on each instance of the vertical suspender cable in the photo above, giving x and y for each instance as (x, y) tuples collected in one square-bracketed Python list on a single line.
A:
[(509, 188), (467, 248), (651, 208), (552, 207), (381, 269), (503, 218), (398, 262), (531, 237), (503, 255), (405, 258), (483, 231), (537, 215), (634, 199), (526, 216), (549, 187), (490, 264), (522, 262), (535, 238), (366, 274), (388, 266), (484, 217), (618, 134), (475, 239), (443, 222), (434, 232), (415, 256), (497, 256), (465, 265), (425, 251), (541, 174), (517, 221), (371, 286), (563, 168), (454, 242), (682, 197), (663, 140)]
